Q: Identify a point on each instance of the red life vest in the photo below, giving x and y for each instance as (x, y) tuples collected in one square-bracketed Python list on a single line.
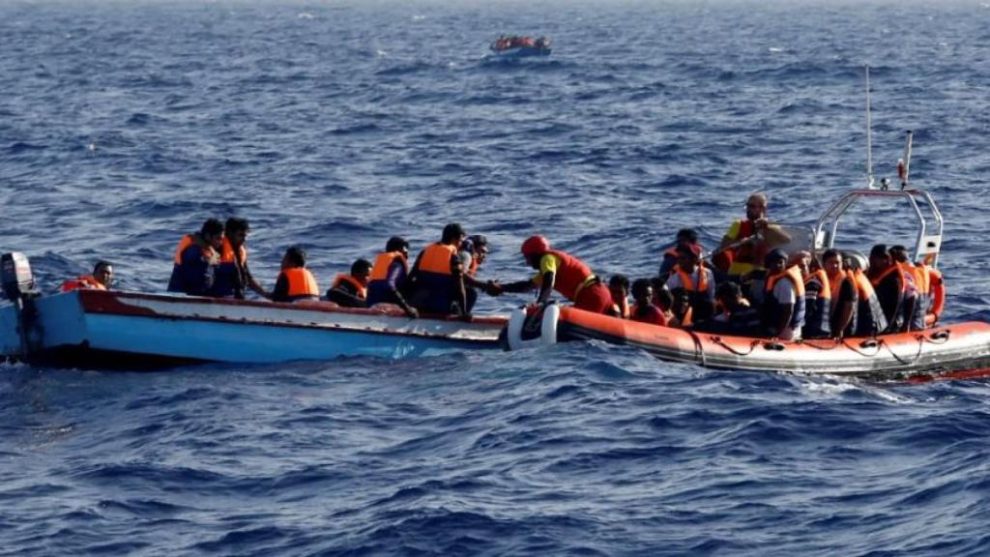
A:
[(572, 275), (379, 271), (85, 282), (648, 314), (302, 284), (937, 287), (361, 291), (748, 255)]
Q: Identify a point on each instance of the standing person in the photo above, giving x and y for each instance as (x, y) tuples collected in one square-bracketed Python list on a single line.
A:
[(437, 276), (389, 276), (101, 279), (685, 237), (196, 260), (747, 241), (783, 298), (232, 274), (844, 298), (295, 282), (697, 280), (560, 271), (351, 291)]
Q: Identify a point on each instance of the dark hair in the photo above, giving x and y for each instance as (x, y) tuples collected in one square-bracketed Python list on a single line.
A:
[(296, 255), (619, 280), (729, 290), (688, 234), (99, 264), (664, 297), (774, 255), (639, 287), (451, 232), (396, 243), (360, 265), (879, 250), (236, 224), (212, 227), (478, 240), (831, 253)]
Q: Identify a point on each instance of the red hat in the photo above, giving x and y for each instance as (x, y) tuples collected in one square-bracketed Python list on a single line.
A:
[(535, 245)]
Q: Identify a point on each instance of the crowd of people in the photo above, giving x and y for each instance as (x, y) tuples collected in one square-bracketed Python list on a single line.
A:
[(748, 286)]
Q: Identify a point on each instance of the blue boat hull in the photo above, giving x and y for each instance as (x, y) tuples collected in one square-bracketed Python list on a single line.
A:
[(82, 327)]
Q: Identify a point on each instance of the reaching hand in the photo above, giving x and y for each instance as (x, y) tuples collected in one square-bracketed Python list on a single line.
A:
[(493, 288)]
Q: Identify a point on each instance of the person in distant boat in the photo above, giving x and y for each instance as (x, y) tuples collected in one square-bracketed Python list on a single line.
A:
[(101, 279), (696, 279), (894, 289), (747, 241), (295, 282), (922, 284), (437, 276), (351, 290), (232, 274), (737, 317), (685, 237), (843, 295), (783, 298), (560, 271), (389, 276), (817, 296), (643, 309), (618, 287), (196, 259)]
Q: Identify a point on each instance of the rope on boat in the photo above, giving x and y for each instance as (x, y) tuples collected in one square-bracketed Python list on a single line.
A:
[(937, 337), (865, 344), (921, 346), (830, 344), (720, 342), (698, 347)]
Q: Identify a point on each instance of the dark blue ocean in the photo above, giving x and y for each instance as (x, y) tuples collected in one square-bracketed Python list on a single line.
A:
[(123, 125)]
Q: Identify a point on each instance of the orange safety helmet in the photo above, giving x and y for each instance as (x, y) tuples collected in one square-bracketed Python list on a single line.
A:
[(535, 245)]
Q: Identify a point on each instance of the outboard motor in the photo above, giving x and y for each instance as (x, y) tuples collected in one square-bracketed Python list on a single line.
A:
[(19, 287)]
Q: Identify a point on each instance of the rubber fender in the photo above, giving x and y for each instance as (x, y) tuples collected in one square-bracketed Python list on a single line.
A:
[(548, 328)]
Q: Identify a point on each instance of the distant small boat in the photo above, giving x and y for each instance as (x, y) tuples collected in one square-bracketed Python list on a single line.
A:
[(516, 46)]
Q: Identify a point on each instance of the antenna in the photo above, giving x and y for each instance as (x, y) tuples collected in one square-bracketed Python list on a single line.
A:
[(869, 135), (904, 165)]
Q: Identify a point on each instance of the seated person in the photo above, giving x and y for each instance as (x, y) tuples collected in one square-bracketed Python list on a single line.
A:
[(351, 291), (196, 259), (685, 237), (783, 298), (736, 318), (843, 296), (894, 289), (437, 276), (101, 279), (682, 314), (389, 276), (618, 286), (295, 282), (817, 296), (644, 310), (697, 280)]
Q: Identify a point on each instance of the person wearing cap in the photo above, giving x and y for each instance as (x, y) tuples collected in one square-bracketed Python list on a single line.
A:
[(685, 237), (783, 298), (747, 241), (560, 271), (389, 275), (437, 276), (696, 279)]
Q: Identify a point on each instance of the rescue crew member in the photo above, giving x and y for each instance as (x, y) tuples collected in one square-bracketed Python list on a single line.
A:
[(232, 274), (295, 282), (560, 271), (685, 236), (747, 241), (389, 275), (737, 317), (783, 298), (817, 297), (101, 279), (922, 284), (644, 310), (351, 291), (842, 287), (697, 280), (196, 260), (894, 289), (437, 276), (618, 287)]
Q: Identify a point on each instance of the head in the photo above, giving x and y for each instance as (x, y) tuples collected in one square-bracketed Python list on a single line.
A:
[(879, 258), (832, 262), (681, 301), (295, 256), (686, 236), (533, 249), (688, 257), (898, 253), (399, 244), (803, 261), (728, 294), (212, 233), (477, 245), (361, 270), (103, 273), (756, 206), (452, 234), (236, 230), (618, 285), (775, 261), (642, 291)]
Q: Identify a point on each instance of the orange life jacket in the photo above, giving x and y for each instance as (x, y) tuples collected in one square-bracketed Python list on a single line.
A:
[(85, 282), (937, 289), (818, 309), (572, 275), (870, 319), (302, 284), (361, 291), (792, 274), (436, 258), (185, 242), (379, 271), (656, 317), (227, 253), (688, 283)]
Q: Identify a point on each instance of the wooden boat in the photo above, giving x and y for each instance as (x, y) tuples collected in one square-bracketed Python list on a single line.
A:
[(86, 328)]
